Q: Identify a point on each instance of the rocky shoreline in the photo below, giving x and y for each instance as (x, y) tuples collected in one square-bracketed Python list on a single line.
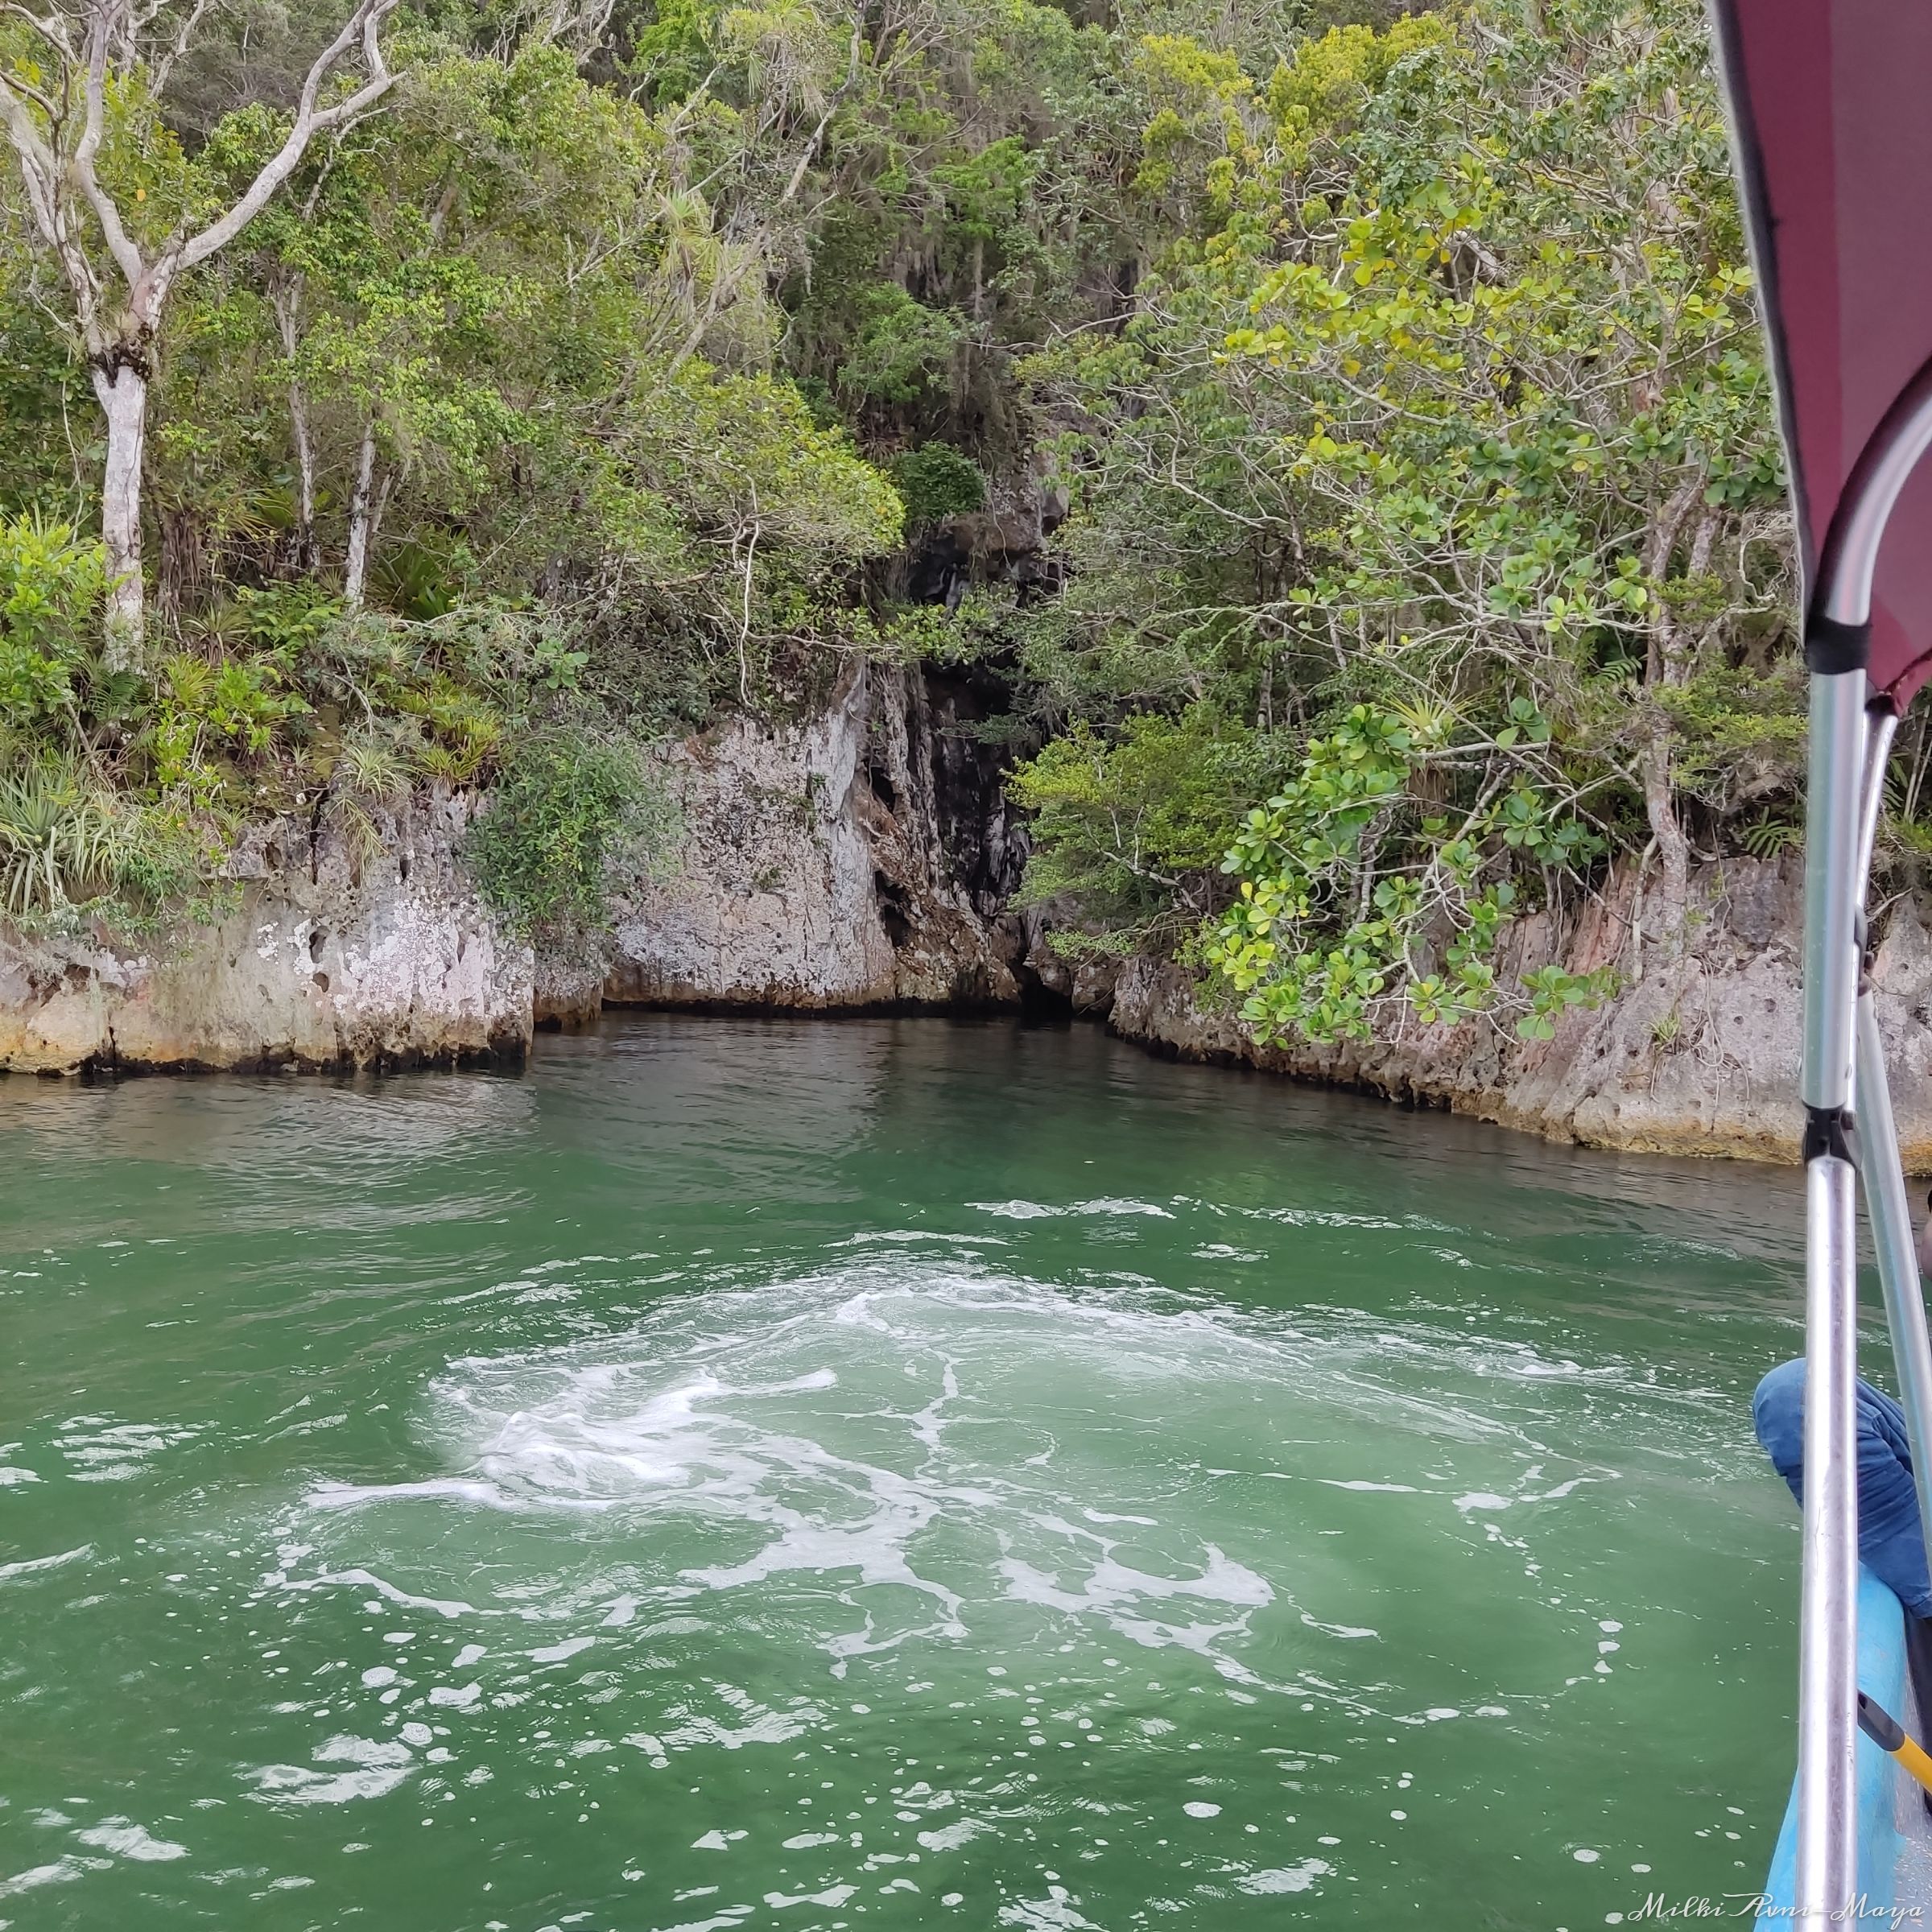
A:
[(863, 860), (337, 955), (1699, 1056)]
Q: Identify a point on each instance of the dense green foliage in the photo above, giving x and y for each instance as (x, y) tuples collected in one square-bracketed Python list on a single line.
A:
[(570, 810), (1392, 381), (1435, 473)]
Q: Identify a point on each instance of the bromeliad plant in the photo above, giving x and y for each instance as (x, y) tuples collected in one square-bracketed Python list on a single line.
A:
[(72, 847), (1358, 904), (57, 837), (203, 706)]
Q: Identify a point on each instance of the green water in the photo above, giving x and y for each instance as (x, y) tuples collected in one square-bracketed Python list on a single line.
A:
[(879, 1474)]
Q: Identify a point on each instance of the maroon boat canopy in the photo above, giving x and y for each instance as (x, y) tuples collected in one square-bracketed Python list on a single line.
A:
[(1831, 101)]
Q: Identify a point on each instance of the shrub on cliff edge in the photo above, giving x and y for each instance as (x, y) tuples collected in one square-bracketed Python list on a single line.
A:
[(574, 810)]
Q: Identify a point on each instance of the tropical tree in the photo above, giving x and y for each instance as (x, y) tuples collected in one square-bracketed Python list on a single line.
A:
[(1441, 447), (123, 214), (431, 289)]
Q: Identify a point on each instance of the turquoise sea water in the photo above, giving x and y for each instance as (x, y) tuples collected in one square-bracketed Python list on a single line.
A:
[(885, 1473)]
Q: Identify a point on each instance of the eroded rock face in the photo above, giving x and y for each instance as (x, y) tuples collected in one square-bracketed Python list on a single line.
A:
[(867, 858), (1698, 1055), (862, 859), (337, 958)]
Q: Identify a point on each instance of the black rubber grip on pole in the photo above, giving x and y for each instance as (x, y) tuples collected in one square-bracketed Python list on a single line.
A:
[(1830, 1130), (1879, 1724), (1831, 648)]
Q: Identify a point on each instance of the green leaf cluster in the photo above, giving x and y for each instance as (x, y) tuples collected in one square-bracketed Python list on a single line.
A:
[(573, 812), (1389, 390)]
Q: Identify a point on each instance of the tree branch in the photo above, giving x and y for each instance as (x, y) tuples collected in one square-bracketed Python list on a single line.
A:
[(818, 134), (364, 25), (120, 244), (163, 64), (40, 175), (53, 30)]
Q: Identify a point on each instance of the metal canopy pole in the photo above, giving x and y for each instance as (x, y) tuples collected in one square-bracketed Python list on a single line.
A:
[(1838, 634), (1827, 1686), (1890, 1215), (1882, 1171)]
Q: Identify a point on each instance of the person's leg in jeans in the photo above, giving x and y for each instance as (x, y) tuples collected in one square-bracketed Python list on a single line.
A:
[(1890, 1541)]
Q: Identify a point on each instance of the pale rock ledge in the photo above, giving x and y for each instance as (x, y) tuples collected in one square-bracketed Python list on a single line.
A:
[(338, 957), (1698, 1055)]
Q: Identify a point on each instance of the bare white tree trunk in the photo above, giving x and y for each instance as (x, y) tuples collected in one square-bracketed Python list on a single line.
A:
[(123, 391), (288, 301), (1666, 664), (365, 505), (305, 477), (1666, 828)]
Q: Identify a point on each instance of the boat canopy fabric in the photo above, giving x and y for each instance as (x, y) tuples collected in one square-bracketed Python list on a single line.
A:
[(1831, 102)]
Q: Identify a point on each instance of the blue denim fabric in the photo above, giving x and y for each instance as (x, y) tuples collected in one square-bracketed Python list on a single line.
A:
[(1889, 1539)]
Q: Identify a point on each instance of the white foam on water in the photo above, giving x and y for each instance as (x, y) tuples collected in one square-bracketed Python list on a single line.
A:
[(875, 1237), (486, 1496), (1348, 1630), (127, 1839), (1038, 1211), (31, 1565), (902, 1447), (555, 1653), (1287, 1878), (62, 1871), (367, 1579), (1057, 1912), (764, 1728), (101, 1451), (380, 1765), (1325, 1217), (1115, 1590), (949, 1838), (728, 1445), (295, 1785)]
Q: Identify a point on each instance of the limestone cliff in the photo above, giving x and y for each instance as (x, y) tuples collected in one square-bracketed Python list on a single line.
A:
[(337, 956), (1698, 1055), (865, 858), (862, 859)]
